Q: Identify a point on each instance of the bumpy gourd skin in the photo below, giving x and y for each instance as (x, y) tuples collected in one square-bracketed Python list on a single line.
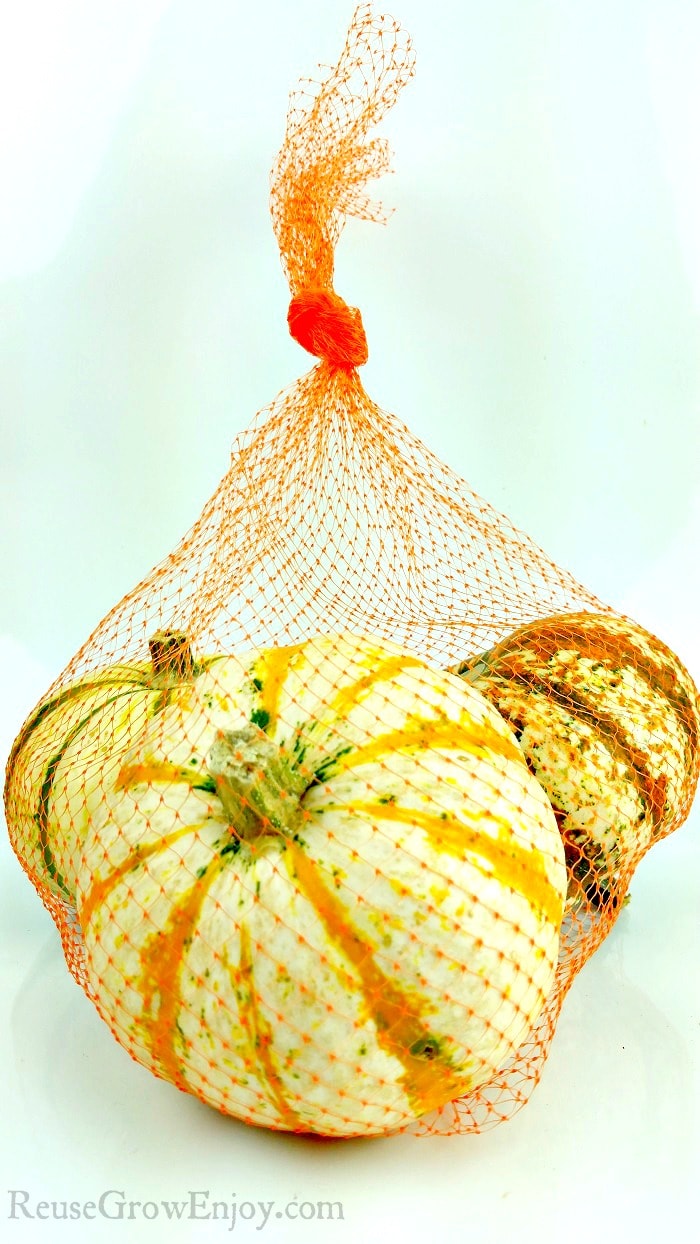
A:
[(608, 719), (348, 964)]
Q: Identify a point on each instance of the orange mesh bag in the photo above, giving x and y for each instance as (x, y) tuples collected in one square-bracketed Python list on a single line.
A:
[(331, 809)]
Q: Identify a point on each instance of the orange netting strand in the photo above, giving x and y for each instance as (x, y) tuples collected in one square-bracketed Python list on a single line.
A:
[(326, 159), (319, 178), (332, 518)]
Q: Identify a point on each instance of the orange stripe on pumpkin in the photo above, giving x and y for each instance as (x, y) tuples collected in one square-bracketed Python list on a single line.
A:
[(261, 1038), (428, 734), (427, 1082), (101, 886), (272, 667), (162, 960), (511, 864), (347, 697), (155, 771)]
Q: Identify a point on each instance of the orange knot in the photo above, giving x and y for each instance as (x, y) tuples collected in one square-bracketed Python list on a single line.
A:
[(323, 323)]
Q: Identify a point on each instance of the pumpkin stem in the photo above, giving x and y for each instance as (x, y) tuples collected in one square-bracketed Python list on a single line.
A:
[(256, 782), (171, 657)]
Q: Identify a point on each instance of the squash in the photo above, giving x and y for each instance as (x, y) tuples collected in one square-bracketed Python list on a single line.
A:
[(608, 719), (338, 912), (70, 745)]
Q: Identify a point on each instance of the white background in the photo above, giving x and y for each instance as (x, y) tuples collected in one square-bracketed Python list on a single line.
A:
[(533, 314)]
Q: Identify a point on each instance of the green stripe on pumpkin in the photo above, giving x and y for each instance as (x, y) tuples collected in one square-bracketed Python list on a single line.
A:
[(58, 701), (46, 790)]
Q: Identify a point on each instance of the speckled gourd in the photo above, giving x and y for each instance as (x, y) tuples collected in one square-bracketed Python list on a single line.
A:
[(608, 719)]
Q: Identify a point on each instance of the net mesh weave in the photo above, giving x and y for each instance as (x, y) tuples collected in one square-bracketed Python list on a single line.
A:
[(333, 520)]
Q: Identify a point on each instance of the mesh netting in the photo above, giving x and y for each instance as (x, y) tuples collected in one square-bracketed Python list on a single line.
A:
[(333, 806)]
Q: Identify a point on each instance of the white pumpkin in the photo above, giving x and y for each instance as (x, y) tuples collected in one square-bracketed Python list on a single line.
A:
[(338, 912)]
